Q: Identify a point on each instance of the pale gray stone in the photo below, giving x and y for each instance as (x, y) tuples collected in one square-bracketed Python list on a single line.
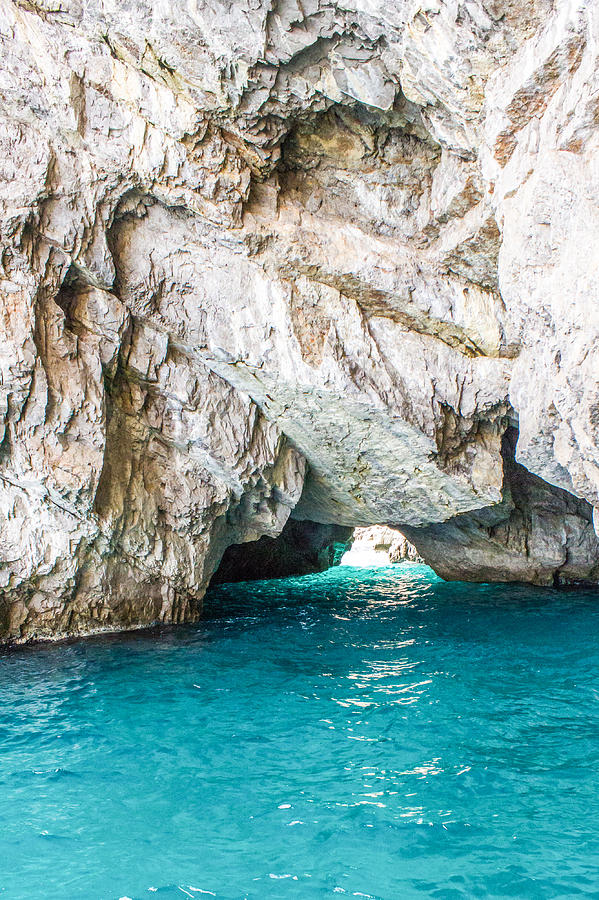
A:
[(262, 258)]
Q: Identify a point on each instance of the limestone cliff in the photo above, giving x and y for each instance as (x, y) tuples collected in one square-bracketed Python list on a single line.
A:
[(282, 256)]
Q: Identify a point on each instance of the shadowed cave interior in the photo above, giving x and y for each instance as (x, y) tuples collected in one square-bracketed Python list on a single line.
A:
[(538, 534)]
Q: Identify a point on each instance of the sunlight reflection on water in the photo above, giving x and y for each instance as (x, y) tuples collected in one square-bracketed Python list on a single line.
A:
[(373, 733)]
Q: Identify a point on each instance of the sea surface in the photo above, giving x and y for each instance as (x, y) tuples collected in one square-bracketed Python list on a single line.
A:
[(372, 733)]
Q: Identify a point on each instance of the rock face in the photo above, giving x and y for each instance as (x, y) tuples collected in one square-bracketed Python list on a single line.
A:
[(538, 533), (308, 257)]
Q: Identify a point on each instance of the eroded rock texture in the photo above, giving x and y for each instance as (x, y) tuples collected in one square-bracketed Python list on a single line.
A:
[(538, 533), (284, 256)]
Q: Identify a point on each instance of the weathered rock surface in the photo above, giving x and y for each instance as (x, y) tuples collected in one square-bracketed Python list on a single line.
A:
[(291, 256), (538, 533)]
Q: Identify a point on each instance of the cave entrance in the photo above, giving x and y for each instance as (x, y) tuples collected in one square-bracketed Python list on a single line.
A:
[(305, 547), (378, 545), (302, 548)]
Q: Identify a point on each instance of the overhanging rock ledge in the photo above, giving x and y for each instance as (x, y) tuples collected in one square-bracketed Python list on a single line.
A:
[(292, 259)]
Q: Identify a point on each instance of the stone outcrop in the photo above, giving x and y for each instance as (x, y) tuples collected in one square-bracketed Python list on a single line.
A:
[(276, 257), (538, 534)]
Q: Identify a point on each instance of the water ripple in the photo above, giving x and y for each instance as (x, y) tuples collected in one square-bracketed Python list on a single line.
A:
[(370, 733)]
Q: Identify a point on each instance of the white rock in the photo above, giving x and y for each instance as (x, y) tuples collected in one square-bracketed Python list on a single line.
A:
[(252, 255)]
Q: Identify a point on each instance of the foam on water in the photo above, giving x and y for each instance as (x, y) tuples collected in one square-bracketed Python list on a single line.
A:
[(367, 733)]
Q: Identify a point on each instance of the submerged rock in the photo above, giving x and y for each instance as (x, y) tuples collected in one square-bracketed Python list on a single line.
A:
[(315, 258)]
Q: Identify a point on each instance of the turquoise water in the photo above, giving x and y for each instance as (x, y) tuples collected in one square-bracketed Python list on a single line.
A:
[(368, 733)]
